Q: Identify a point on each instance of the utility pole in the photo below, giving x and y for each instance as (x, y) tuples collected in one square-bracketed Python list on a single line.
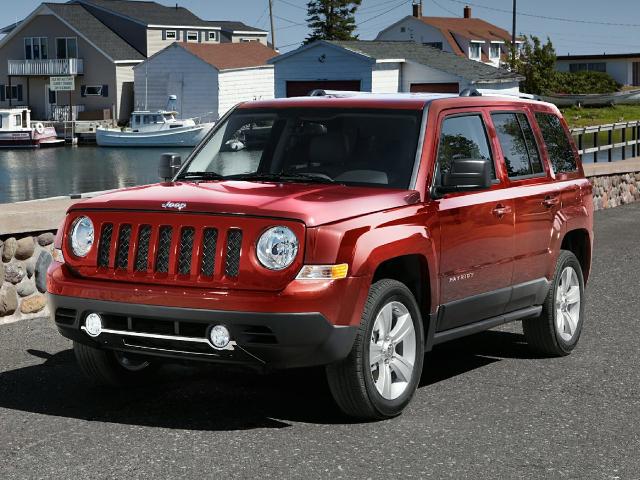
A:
[(273, 31), (513, 33)]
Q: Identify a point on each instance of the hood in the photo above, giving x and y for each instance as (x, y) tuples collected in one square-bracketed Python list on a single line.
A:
[(313, 204)]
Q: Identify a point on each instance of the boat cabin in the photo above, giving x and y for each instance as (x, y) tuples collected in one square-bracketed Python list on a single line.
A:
[(15, 118), (145, 120)]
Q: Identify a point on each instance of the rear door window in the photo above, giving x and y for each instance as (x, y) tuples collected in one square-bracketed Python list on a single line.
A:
[(558, 145), (462, 136), (519, 149)]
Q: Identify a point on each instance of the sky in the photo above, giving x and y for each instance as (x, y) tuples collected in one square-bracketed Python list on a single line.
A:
[(577, 26)]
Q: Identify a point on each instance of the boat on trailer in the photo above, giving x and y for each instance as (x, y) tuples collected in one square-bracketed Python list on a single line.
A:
[(154, 129), (16, 130)]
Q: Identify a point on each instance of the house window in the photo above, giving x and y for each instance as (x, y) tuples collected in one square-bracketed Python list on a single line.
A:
[(93, 90), (212, 36), (13, 92), (494, 50), (247, 40), (403, 29), (192, 36), (170, 34), (17, 119), (36, 48), (474, 50), (437, 45), (588, 67), (67, 47)]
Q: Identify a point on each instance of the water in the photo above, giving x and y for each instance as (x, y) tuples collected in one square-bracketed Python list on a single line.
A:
[(29, 174)]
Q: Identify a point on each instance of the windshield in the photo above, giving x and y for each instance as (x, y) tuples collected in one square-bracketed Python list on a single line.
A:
[(362, 147)]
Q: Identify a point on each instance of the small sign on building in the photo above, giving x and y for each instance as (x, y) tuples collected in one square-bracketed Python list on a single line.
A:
[(62, 84)]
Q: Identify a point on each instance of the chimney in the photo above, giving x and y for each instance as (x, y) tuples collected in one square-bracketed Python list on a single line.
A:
[(417, 8), (467, 11)]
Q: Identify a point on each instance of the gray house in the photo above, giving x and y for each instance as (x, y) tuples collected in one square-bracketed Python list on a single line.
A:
[(384, 67), (98, 42)]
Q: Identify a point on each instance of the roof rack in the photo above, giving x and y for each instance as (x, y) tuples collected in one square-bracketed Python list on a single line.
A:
[(467, 92)]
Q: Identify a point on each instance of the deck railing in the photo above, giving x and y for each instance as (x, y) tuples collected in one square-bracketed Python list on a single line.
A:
[(607, 138), (57, 66), (60, 113)]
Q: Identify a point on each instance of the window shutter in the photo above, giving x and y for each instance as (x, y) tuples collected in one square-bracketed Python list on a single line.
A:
[(83, 91), (164, 34), (105, 90), (200, 37), (3, 96), (19, 93)]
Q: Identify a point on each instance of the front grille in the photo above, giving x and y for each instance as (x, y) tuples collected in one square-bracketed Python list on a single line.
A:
[(196, 253), (104, 249), (164, 243), (234, 243)]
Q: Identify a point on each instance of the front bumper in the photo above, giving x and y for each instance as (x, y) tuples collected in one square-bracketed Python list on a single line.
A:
[(270, 340)]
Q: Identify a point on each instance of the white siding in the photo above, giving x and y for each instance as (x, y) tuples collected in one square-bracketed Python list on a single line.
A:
[(177, 72), (238, 37), (156, 40), (322, 62), (386, 78), (620, 69), (415, 31), (416, 73), (242, 85)]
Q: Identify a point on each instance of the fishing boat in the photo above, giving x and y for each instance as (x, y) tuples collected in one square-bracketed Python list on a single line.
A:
[(594, 99), (16, 130)]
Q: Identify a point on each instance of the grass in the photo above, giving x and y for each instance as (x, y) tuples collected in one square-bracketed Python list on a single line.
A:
[(586, 117)]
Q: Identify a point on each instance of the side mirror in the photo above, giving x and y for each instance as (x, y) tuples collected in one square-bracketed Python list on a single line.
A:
[(466, 174), (170, 163)]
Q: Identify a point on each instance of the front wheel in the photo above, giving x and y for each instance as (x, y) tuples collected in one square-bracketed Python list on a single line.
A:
[(379, 377), (557, 331), (110, 368)]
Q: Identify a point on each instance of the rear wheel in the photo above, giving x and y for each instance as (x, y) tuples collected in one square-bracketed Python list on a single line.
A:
[(557, 331), (379, 377), (111, 368)]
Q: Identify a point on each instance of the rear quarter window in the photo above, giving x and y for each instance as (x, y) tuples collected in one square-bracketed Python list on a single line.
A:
[(559, 148)]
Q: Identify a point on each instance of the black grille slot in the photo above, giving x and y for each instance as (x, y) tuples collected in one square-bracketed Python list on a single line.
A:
[(65, 316), (186, 249), (142, 253), (234, 243), (209, 242), (122, 252), (104, 249), (164, 243), (259, 334)]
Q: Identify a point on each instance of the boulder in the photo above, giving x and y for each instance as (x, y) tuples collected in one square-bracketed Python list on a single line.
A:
[(33, 304), (8, 300), (9, 249), (44, 260), (25, 248), (26, 287), (45, 239), (1, 273), (30, 266), (14, 272)]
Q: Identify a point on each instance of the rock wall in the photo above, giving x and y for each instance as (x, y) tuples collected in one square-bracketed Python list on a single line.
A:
[(23, 276), (613, 190)]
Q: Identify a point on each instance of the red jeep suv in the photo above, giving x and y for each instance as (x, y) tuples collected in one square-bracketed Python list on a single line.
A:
[(352, 231)]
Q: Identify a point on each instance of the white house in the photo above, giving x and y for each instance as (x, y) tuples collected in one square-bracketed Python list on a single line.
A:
[(468, 37), (208, 79), (623, 67), (384, 67)]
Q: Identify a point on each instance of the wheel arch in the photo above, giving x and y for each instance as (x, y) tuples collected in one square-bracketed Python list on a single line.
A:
[(578, 242)]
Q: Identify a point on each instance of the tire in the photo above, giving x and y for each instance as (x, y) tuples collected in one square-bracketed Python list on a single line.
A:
[(552, 334), (354, 383), (110, 369)]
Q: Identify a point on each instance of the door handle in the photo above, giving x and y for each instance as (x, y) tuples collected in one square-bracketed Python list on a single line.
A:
[(551, 201), (500, 210)]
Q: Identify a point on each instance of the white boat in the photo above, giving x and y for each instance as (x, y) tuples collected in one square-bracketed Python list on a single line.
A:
[(594, 99), (154, 129), (16, 130)]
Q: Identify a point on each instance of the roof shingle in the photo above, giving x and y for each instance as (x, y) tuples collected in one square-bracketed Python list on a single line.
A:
[(226, 56), (149, 13)]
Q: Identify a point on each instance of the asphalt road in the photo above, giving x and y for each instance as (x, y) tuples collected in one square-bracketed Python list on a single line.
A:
[(486, 407)]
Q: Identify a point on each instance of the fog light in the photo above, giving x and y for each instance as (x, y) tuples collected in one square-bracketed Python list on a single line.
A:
[(93, 324), (219, 336)]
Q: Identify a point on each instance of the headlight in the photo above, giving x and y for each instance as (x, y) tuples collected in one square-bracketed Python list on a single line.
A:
[(81, 236), (277, 248)]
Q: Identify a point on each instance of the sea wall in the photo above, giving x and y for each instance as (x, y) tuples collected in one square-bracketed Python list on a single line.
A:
[(615, 183), (23, 276)]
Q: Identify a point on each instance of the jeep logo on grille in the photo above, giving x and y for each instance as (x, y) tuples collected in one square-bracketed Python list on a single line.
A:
[(176, 205)]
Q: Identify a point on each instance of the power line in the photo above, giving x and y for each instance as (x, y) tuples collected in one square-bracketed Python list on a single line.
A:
[(404, 2), (290, 21), (446, 9), (546, 17), (293, 5), (377, 7)]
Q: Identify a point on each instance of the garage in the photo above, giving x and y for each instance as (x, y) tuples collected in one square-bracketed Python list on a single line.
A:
[(302, 88), (451, 87)]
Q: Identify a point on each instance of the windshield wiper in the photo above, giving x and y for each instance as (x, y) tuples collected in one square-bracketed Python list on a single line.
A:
[(201, 176), (281, 177)]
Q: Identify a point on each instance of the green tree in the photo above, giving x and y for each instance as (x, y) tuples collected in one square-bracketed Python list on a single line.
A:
[(332, 19), (536, 62)]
